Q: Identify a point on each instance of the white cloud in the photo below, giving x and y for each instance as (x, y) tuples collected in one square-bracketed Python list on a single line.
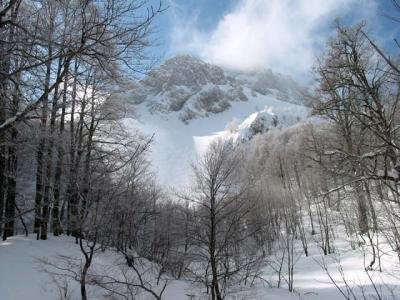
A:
[(279, 34)]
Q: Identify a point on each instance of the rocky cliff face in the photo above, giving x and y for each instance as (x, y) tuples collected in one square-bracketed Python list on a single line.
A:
[(192, 88)]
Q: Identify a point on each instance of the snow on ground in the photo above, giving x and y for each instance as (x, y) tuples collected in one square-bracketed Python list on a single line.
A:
[(20, 272), (311, 281), (22, 276), (177, 144)]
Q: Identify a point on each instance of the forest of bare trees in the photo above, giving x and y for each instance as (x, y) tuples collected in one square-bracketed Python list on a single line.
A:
[(61, 63)]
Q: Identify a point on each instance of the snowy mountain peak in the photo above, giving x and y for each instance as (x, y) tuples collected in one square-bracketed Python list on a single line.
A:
[(188, 88), (185, 70)]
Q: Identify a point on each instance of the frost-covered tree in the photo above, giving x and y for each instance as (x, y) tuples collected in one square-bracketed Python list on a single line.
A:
[(220, 230)]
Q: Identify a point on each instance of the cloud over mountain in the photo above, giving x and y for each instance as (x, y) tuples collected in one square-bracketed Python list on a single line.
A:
[(279, 34)]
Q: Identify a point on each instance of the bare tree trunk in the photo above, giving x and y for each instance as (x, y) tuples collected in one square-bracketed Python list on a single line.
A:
[(2, 147), (72, 150), (2, 184), (4, 69), (88, 261), (73, 184), (56, 220), (86, 178), (48, 191), (11, 188), (8, 158), (11, 176), (215, 291), (40, 180), (371, 206), (362, 209)]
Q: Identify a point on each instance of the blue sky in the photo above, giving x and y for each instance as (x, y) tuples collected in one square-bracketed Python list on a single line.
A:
[(283, 35)]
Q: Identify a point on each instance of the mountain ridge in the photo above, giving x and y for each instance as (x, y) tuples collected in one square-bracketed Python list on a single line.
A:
[(194, 89)]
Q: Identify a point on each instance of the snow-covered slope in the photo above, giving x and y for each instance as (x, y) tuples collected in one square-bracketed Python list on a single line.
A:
[(23, 272), (22, 276), (186, 103)]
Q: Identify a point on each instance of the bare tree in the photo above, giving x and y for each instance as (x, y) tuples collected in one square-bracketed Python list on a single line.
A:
[(221, 213)]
